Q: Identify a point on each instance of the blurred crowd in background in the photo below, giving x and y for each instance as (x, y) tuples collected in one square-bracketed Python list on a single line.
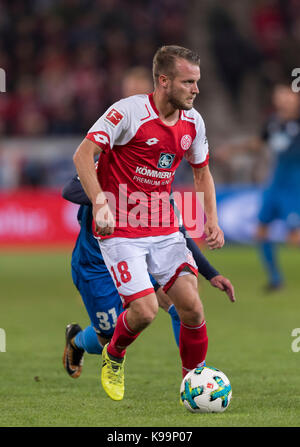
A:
[(266, 42), (65, 60)]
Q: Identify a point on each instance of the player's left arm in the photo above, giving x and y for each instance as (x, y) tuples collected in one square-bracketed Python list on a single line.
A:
[(222, 283), (204, 184)]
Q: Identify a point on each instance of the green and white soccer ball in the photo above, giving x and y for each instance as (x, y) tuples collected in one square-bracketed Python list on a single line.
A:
[(205, 390)]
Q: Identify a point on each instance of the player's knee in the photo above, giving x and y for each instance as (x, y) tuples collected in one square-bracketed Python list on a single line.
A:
[(184, 293), (143, 311), (192, 312), (147, 318), (148, 313)]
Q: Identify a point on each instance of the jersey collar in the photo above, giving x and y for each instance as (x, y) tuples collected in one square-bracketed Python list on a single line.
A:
[(152, 103)]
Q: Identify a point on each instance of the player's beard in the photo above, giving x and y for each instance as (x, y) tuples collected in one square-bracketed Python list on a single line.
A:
[(177, 103)]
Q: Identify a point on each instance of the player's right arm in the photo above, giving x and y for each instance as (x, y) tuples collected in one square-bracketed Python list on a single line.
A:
[(84, 160), (102, 136)]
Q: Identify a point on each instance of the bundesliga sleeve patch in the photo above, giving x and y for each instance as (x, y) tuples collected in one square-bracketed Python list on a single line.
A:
[(114, 117)]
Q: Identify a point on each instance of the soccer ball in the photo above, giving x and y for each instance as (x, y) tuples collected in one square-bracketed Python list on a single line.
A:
[(205, 390)]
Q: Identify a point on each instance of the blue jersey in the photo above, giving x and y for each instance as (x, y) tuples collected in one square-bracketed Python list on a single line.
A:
[(87, 259), (283, 138), (281, 199)]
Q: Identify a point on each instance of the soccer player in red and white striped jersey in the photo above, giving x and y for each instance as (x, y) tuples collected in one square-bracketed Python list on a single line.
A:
[(141, 141)]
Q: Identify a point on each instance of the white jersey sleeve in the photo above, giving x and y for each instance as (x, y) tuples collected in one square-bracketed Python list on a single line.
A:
[(198, 153), (110, 128)]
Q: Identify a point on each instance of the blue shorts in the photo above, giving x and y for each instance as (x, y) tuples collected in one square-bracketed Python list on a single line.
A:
[(101, 300), (280, 204)]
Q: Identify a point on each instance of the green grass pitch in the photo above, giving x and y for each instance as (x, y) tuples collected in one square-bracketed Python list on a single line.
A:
[(249, 340)]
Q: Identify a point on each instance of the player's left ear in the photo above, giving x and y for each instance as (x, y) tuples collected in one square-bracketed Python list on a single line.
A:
[(163, 81)]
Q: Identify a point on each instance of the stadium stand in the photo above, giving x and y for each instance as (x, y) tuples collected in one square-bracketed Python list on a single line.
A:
[(64, 62)]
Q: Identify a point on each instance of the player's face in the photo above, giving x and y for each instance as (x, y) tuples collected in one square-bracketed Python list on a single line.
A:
[(183, 87)]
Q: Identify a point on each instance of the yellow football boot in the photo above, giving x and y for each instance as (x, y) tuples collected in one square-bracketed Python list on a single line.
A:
[(112, 376)]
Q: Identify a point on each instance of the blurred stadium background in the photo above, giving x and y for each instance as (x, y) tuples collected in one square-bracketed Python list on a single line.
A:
[(64, 61)]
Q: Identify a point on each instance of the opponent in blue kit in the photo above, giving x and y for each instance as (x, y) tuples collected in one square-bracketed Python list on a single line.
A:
[(281, 198), (101, 299)]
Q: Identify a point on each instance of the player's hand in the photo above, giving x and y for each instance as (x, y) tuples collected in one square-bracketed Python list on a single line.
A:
[(103, 217), (214, 236), (223, 284)]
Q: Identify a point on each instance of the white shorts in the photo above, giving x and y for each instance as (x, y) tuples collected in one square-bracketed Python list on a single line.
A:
[(130, 261)]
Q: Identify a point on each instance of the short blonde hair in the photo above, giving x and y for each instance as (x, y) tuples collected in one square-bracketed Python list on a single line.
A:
[(166, 56)]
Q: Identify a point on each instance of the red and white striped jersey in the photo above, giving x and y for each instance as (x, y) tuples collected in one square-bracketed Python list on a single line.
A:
[(139, 160)]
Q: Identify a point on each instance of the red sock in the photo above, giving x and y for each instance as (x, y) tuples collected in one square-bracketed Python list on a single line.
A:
[(123, 336), (193, 344)]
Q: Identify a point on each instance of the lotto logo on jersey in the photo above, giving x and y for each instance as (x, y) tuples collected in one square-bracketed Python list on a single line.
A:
[(165, 160), (152, 141), (100, 138), (114, 117)]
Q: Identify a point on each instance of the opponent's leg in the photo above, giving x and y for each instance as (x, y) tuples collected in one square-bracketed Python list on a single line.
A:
[(176, 323), (103, 305), (165, 303), (72, 356), (79, 341), (268, 253), (88, 340)]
